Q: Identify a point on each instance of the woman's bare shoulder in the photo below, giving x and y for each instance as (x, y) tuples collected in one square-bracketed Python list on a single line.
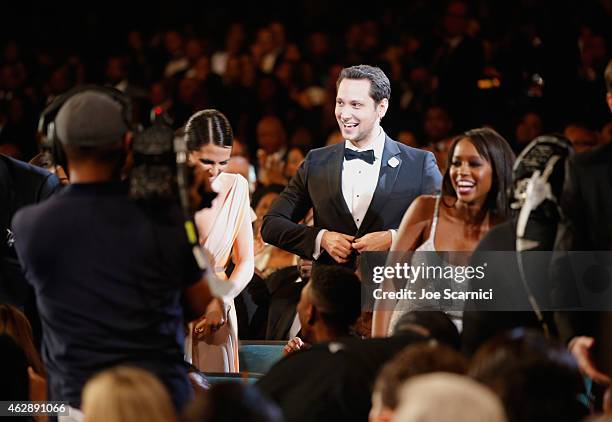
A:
[(422, 208)]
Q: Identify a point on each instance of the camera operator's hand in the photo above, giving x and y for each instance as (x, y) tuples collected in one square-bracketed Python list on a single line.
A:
[(212, 320)]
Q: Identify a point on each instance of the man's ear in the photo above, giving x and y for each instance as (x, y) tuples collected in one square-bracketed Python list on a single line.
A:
[(127, 141), (382, 107), (312, 315)]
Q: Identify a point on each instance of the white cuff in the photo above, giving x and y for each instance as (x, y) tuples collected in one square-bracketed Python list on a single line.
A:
[(317, 249), (393, 237)]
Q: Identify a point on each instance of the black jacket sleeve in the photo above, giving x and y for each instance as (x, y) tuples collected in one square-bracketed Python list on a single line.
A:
[(280, 225)]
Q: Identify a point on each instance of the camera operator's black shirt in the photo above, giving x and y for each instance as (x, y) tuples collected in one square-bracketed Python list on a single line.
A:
[(108, 279)]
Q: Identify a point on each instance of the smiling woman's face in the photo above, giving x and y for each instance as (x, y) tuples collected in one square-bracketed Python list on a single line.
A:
[(470, 174), (212, 158)]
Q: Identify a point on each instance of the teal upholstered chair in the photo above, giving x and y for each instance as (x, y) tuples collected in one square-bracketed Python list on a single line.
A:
[(219, 377), (259, 356)]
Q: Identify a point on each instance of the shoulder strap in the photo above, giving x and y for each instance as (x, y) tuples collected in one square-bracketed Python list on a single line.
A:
[(434, 222)]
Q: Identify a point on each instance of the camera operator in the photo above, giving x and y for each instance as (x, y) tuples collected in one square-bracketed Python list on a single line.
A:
[(109, 275)]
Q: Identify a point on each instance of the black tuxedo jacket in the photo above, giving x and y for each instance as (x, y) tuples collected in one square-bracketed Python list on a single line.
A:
[(587, 201), (318, 185)]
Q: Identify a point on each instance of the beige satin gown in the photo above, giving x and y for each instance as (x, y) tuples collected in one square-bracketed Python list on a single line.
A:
[(219, 351)]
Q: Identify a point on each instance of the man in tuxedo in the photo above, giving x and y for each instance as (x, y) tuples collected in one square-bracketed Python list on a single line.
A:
[(359, 189), (587, 201)]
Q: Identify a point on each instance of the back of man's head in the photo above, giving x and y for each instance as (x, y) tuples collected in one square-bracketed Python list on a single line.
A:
[(336, 294), (429, 323), (91, 121)]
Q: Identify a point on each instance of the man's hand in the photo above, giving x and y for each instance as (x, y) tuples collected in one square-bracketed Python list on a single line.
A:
[(294, 345), (375, 241), (304, 267), (580, 348), (337, 245), (212, 321)]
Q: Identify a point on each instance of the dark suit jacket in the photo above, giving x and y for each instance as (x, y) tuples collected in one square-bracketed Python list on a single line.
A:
[(587, 201), (318, 185), (480, 325), (21, 184)]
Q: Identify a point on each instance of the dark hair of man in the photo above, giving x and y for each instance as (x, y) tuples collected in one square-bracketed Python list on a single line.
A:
[(208, 127), (336, 294), (536, 378), (497, 152), (380, 87), (417, 359), (608, 76), (437, 324)]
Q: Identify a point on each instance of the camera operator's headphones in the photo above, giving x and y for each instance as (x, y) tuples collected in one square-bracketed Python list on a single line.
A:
[(50, 143)]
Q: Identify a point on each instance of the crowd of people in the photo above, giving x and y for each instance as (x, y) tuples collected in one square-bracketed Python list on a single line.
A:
[(203, 194)]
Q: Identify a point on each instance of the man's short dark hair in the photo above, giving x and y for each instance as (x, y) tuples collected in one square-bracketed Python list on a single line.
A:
[(336, 293), (380, 87), (608, 76), (437, 323)]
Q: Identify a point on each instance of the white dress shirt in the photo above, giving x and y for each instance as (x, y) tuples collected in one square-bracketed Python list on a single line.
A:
[(359, 180)]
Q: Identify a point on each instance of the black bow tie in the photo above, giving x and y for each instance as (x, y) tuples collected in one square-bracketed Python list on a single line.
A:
[(367, 156)]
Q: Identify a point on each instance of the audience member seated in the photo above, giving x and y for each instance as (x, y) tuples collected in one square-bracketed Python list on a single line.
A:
[(582, 137), (232, 401), (331, 380), (442, 397), (126, 394), (253, 303), (268, 258), (528, 128), (430, 324), (272, 152), (329, 306), (418, 359), (536, 379), (295, 157)]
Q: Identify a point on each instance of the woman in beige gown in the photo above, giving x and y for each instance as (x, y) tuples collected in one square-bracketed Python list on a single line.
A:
[(225, 231)]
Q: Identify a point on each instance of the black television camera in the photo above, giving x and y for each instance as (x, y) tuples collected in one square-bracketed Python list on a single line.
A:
[(161, 171)]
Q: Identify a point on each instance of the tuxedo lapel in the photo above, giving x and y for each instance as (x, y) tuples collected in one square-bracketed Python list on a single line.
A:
[(386, 181), (334, 177)]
